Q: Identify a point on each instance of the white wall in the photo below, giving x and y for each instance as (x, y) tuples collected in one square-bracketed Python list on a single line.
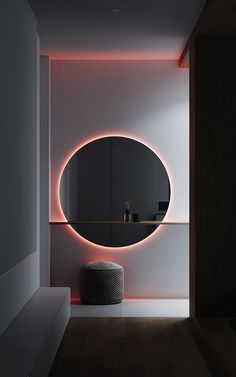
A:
[(147, 100), (19, 252)]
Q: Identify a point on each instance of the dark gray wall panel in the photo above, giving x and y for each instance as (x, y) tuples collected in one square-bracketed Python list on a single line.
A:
[(135, 178), (94, 182), (213, 181), (86, 190), (18, 119), (44, 170)]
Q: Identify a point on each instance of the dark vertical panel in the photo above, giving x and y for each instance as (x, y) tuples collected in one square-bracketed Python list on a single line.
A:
[(18, 142), (213, 201), (93, 180), (92, 190), (136, 176), (69, 190), (44, 170), (192, 225)]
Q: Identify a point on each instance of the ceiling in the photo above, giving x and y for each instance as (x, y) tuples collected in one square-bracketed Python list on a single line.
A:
[(115, 29)]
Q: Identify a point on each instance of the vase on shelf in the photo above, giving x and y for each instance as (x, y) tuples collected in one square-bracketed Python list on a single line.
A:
[(127, 214)]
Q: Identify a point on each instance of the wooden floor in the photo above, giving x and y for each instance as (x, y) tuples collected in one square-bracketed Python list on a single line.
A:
[(131, 347), (218, 337)]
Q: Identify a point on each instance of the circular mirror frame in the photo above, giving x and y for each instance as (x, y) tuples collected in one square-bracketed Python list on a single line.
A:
[(78, 149)]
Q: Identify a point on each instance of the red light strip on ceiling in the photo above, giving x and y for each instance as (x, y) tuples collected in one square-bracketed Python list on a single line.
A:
[(109, 55)]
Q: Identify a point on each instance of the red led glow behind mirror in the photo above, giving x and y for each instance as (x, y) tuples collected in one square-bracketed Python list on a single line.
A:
[(62, 215)]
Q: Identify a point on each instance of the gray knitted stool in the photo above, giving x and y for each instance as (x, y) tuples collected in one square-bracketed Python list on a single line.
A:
[(101, 283)]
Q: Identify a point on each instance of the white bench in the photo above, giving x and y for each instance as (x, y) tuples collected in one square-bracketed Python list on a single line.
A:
[(29, 345)]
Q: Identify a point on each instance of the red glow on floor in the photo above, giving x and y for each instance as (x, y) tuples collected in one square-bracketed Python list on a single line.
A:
[(58, 203), (75, 300), (185, 65), (185, 62)]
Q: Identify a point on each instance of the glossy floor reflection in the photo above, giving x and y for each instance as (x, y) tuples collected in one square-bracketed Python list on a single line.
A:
[(135, 308)]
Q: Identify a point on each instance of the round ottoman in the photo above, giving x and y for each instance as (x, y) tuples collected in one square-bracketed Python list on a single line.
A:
[(101, 283)]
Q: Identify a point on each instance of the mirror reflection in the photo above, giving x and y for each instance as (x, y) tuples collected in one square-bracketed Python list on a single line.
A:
[(111, 188)]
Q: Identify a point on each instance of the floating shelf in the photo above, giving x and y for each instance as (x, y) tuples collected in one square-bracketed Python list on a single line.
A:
[(118, 222)]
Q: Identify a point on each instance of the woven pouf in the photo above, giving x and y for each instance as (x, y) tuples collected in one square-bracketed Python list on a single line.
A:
[(101, 283)]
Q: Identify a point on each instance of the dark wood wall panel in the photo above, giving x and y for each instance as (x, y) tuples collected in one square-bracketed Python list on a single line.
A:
[(213, 177)]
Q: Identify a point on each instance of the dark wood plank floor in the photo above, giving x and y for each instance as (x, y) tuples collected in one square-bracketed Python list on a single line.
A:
[(129, 347), (219, 337)]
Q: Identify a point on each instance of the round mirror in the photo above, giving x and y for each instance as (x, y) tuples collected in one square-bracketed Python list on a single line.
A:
[(113, 190)]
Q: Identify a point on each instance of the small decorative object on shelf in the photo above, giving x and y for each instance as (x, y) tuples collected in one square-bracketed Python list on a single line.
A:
[(136, 217), (127, 215)]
